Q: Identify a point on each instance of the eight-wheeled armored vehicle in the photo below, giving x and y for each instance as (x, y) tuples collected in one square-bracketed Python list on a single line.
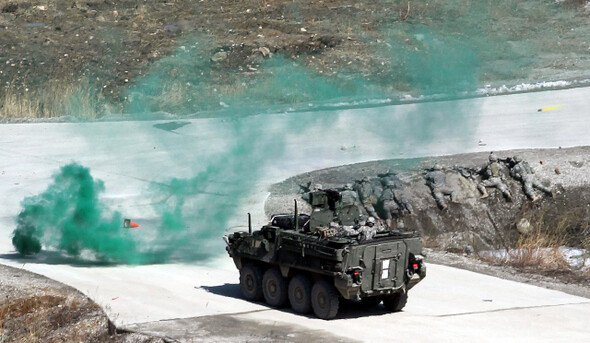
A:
[(313, 261)]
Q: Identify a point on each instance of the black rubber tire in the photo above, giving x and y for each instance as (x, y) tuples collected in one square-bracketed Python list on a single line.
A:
[(274, 288), (324, 300), (395, 302), (251, 282), (300, 293), (371, 302)]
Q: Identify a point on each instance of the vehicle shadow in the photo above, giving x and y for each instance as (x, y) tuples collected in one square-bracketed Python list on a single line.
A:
[(230, 290), (171, 126), (348, 309), (55, 258), (354, 309)]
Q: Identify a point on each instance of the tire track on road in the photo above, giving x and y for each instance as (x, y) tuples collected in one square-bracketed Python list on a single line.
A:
[(510, 309)]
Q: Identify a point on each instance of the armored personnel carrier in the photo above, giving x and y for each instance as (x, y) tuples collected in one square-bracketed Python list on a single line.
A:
[(313, 261)]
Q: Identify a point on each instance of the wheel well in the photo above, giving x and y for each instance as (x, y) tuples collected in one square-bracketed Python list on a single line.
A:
[(241, 262), (286, 271), (291, 272)]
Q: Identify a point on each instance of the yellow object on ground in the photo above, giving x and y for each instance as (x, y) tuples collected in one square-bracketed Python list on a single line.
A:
[(548, 108)]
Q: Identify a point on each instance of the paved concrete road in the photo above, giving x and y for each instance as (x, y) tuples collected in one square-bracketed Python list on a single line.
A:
[(451, 305)]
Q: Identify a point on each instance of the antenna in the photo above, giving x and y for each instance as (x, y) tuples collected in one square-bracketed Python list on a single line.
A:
[(249, 223), (296, 216)]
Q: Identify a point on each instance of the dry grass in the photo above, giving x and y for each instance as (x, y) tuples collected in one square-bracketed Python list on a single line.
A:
[(26, 319), (538, 248), (20, 307), (404, 9), (431, 242), (586, 242), (46, 318), (46, 315), (55, 99)]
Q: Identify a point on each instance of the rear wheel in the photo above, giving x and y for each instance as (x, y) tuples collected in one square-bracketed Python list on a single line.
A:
[(251, 282), (395, 302), (324, 300), (274, 288), (300, 293)]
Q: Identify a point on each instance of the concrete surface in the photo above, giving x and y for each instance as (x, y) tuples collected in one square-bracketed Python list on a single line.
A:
[(450, 305)]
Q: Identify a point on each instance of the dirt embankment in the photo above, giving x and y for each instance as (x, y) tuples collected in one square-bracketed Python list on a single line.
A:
[(94, 55), (474, 225), (34, 308), (102, 48)]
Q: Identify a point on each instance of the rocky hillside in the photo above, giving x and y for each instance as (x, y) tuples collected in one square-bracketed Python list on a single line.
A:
[(474, 225)]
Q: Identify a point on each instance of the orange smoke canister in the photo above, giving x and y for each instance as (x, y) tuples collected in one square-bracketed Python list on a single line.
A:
[(127, 223)]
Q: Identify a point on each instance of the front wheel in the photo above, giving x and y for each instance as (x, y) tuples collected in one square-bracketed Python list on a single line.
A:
[(324, 300), (395, 302), (251, 282)]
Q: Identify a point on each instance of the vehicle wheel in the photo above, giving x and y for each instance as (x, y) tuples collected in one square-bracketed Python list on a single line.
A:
[(274, 288), (395, 302), (300, 293), (371, 301), (251, 282), (324, 300)]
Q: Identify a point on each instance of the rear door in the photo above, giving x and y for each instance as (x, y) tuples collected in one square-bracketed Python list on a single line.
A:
[(387, 262)]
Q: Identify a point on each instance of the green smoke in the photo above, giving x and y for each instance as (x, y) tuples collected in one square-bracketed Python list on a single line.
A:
[(503, 42), (69, 217), (433, 63), (177, 83), (181, 83), (194, 211), (200, 207)]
